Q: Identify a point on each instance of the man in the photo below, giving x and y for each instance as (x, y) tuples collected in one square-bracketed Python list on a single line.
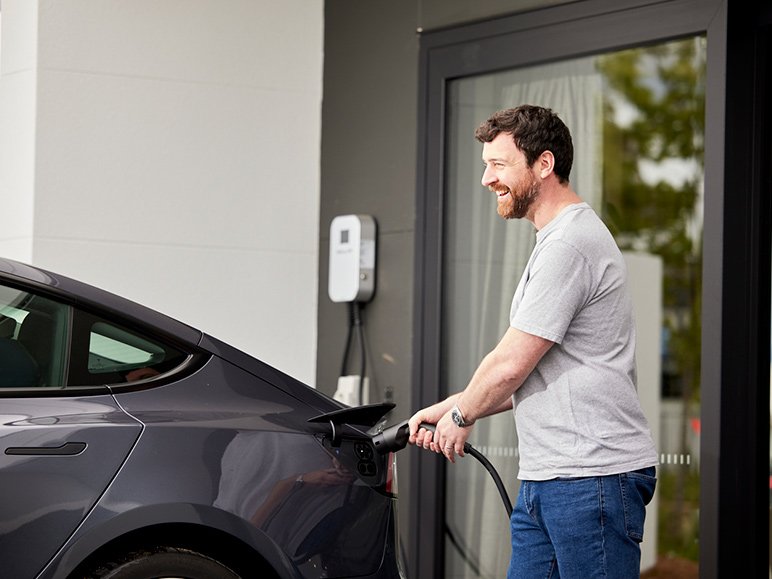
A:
[(566, 365)]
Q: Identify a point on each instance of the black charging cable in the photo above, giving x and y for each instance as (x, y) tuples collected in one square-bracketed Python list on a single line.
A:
[(496, 478), (355, 321), (396, 437)]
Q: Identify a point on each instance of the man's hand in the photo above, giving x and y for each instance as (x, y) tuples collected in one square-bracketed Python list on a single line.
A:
[(448, 438), (430, 415)]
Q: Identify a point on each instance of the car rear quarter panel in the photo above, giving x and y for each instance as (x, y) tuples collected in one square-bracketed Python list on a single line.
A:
[(227, 441)]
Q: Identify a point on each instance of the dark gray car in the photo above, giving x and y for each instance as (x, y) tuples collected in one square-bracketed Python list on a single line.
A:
[(134, 446)]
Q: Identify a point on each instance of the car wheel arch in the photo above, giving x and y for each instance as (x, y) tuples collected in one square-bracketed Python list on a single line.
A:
[(207, 530)]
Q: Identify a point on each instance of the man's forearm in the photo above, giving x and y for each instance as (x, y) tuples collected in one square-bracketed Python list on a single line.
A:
[(503, 407), (489, 392), (501, 373)]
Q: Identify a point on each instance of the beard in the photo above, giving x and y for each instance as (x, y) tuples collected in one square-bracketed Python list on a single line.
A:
[(520, 199)]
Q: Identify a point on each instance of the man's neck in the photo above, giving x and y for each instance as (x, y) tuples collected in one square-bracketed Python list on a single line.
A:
[(552, 200)]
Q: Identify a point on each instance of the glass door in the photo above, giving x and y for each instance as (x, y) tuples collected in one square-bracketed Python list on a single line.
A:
[(637, 120)]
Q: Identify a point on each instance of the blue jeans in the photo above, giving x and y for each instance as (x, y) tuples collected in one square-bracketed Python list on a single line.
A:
[(580, 528)]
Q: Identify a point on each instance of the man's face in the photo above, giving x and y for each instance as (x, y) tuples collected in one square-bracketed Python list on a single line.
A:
[(508, 175)]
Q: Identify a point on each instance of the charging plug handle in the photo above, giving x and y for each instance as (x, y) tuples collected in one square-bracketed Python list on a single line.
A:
[(396, 437)]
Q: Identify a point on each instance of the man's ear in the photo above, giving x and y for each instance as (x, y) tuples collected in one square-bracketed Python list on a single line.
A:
[(545, 164)]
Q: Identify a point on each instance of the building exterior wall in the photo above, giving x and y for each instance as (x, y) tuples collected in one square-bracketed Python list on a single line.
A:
[(169, 152), (17, 126)]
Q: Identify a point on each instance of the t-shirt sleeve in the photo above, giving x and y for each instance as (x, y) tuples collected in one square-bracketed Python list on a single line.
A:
[(558, 286)]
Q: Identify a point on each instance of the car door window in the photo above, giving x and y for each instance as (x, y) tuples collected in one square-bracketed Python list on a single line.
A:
[(33, 340)]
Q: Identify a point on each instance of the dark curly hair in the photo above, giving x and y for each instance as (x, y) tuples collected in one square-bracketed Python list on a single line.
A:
[(534, 130)]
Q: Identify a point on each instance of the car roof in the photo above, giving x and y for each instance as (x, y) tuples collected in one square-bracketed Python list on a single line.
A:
[(76, 292)]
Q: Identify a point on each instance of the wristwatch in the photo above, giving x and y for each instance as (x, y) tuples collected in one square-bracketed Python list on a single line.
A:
[(458, 420)]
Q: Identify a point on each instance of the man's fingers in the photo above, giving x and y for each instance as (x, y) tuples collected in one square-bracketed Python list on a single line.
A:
[(427, 439), (422, 438), (449, 452)]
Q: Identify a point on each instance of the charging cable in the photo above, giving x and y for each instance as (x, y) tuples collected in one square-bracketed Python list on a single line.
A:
[(355, 321), (395, 438)]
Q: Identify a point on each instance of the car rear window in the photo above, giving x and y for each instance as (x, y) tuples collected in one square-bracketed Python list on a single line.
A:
[(106, 352)]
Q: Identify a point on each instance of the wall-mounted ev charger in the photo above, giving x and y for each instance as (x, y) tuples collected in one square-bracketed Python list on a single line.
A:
[(352, 281), (352, 258)]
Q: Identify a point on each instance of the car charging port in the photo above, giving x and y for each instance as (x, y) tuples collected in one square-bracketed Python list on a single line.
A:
[(363, 450)]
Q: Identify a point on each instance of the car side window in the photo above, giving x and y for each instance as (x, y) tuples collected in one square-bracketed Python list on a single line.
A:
[(33, 340), (105, 352)]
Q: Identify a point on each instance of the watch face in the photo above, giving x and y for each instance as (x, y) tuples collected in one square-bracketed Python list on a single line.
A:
[(456, 415)]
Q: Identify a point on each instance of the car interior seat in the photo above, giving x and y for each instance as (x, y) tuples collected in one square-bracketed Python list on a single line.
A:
[(36, 335), (18, 368)]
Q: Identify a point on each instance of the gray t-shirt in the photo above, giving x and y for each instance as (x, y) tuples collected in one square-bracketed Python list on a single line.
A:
[(578, 413)]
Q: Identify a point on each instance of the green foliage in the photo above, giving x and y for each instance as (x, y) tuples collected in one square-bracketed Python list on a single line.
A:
[(653, 127), (663, 89), (678, 527)]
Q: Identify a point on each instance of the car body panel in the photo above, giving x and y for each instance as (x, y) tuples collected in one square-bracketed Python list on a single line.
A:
[(259, 443), (270, 374), (48, 488), (243, 455)]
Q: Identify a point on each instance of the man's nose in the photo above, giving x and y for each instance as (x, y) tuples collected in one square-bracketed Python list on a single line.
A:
[(488, 177)]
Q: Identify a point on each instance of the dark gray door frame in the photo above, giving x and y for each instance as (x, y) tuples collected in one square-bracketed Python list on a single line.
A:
[(734, 536)]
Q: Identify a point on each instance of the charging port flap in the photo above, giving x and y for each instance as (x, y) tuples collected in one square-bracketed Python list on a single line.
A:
[(368, 415)]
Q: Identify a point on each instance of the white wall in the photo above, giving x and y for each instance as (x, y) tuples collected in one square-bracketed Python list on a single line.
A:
[(171, 153), (18, 52)]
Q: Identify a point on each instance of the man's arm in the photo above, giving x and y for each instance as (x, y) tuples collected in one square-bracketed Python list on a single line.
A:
[(501, 373), (497, 377)]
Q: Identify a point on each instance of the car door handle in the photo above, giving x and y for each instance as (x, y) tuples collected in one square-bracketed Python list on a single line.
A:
[(67, 449)]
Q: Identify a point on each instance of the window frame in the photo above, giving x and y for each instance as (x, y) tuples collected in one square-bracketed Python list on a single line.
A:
[(736, 286)]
